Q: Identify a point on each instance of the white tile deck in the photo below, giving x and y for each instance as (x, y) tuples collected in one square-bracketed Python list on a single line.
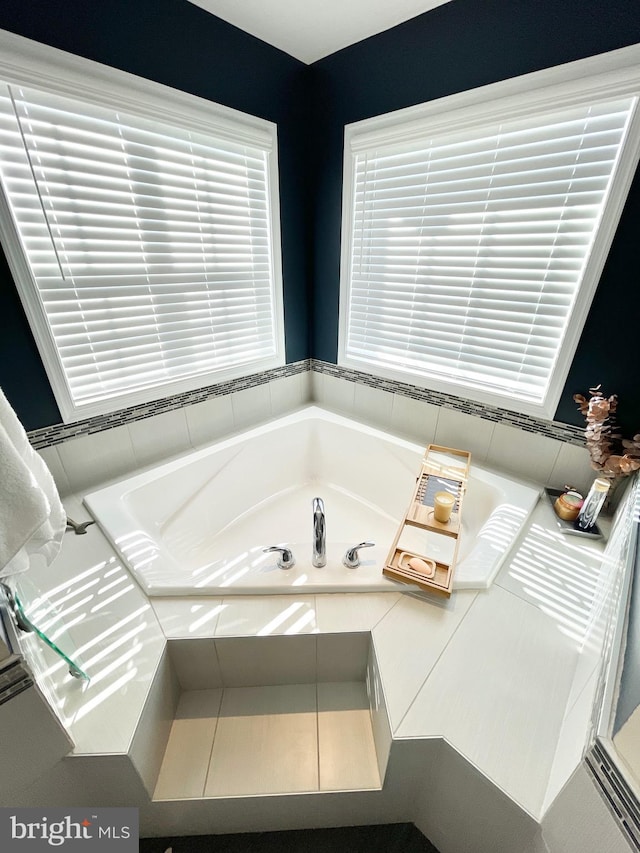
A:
[(262, 616), (353, 611), (409, 640), (498, 694), (187, 617)]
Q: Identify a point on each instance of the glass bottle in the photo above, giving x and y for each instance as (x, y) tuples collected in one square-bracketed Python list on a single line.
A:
[(593, 504)]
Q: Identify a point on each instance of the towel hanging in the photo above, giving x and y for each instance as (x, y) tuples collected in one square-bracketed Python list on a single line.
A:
[(32, 519)]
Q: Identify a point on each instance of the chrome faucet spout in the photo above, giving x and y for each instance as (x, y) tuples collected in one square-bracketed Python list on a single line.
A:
[(319, 534)]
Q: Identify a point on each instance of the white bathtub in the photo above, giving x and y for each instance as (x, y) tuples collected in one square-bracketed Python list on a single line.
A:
[(198, 525)]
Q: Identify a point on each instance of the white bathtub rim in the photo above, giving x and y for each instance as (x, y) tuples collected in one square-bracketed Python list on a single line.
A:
[(109, 507)]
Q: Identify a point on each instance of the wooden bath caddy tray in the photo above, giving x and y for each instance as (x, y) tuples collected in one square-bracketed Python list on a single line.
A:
[(443, 469)]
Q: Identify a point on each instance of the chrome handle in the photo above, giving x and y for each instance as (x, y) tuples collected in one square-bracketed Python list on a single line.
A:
[(351, 559), (286, 560)]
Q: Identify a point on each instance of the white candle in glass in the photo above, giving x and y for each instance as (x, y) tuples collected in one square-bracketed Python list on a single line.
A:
[(443, 503)]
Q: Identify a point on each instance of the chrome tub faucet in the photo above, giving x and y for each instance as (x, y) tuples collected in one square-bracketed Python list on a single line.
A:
[(319, 534)]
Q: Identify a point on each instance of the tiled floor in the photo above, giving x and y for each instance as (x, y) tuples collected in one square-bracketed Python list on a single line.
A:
[(186, 760), (268, 740), (346, 753)]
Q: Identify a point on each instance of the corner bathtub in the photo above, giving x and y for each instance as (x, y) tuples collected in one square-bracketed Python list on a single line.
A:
[(198, 525)]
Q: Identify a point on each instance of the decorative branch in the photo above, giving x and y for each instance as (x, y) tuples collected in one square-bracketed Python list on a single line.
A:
[(610, 454)]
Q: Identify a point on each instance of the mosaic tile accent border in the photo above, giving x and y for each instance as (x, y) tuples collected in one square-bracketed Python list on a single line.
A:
[(56, 434), (617, 795), (528, 423), (14, 679)]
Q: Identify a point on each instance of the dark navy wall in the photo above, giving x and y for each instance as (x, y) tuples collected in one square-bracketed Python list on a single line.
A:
[(459, 46), (180, 45)]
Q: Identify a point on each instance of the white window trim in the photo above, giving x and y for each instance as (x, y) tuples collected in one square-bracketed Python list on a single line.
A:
[(28, 63), (608, 75)]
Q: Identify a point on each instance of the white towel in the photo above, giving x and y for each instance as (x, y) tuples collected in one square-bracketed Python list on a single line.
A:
[(32, 519)]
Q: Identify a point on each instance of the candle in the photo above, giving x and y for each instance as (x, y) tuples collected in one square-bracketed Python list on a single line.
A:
[(567, 506), (443, 503)]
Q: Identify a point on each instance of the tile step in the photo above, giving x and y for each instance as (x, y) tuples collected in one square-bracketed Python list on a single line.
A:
[(271, 739)]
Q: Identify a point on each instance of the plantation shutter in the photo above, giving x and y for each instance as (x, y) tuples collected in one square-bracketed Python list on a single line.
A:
[(468, 249), (150, 246)]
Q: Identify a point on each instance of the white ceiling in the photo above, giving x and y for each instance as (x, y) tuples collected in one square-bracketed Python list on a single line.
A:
[(311, 29)]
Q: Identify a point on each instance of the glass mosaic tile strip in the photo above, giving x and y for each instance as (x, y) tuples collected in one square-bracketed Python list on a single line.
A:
[(616, 793), (14, 679), (57, 433), (551, 429)]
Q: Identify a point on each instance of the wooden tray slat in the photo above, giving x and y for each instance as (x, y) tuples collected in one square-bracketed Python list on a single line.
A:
[(435, 474)]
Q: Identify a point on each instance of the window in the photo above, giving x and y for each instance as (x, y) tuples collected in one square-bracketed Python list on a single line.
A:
[(475, 229), (145, 246)]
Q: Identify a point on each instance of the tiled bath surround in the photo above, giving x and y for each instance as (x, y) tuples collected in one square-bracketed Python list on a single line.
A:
[(110, 446), (545, 452), (57, 433), (528, 423), (427, 779), (104, 449), (424, 775)]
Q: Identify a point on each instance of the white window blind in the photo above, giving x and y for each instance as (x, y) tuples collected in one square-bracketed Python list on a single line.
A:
[(150, 247), (467, 249)]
